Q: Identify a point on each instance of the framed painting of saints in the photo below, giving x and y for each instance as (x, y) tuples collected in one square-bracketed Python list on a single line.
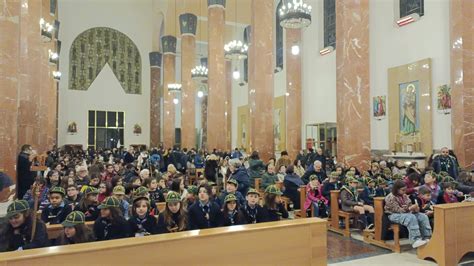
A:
[(409, 108)]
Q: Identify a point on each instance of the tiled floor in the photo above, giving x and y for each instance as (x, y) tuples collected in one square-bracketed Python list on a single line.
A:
[(343, 249)]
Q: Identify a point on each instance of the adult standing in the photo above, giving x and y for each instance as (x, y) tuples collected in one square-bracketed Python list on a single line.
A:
[(447, 163), (25, 177)]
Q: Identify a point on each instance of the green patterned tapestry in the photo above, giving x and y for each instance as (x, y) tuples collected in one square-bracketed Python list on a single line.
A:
[(94, 48)]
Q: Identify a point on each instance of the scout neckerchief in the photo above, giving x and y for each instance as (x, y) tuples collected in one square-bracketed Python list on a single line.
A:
[(206, 209), (51, 208), (141, 229), (252, 212), (232, 216)]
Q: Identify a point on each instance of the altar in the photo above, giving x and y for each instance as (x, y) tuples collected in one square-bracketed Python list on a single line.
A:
[(408, 157)]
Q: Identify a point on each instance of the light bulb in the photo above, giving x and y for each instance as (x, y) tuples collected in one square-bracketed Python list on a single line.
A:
[(236, 74), (295, 49), (175, 101), (200, 94)]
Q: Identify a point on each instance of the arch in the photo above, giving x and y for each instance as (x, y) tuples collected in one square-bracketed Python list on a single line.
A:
[(94, 48), (279, 38)]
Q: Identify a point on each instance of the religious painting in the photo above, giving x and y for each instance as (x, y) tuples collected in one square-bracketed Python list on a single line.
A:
[(279, 123), (444, 97), (277, 128), (379, 106), (409, 108), (243, 140)]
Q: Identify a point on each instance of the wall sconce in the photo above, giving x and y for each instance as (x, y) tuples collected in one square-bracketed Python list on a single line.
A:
[(53, 57), (326, 50), (408, 19), (57, 75), (46, 30)]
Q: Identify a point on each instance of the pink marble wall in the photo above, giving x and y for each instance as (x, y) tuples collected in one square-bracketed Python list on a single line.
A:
[(155, 106), (462, 80), (261, 61), (228, 105), (9, 80), (204, 121), (169, 69), (29, 95), (188, 109), (216, 99), (293, 88), (353, 82)]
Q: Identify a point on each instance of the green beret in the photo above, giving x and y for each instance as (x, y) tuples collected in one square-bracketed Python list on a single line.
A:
[(350, 174), (211, 184), (381, 181), (397, 176), (252, 191), (140, 191), (313, 177), (16, 207), (110, 202), (443, 173), (233, 181), (58, 190), (90, 190), (272, 189), (334, 174), (74, 218), (119, 190), (351, 179), (230, 197), (173, 197)]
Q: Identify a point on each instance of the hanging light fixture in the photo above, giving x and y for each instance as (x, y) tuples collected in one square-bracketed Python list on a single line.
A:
[(295, 14), (236, 49), (295, 49)]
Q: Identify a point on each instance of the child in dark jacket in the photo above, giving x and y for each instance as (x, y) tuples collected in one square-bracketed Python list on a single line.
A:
[(19, 229), (88, 204), (251, 210), (333, 184), (111, 224), (142, 223), (231, 188), (382, 189), (56, 211), (232, 215), (174, 217), (273, 208), (423, 200), (204, 213)]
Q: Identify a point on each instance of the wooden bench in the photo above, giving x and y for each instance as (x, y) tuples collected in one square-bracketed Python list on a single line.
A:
[(453, 235), (375, 237), (306, 238), (337, 213), (198, 172), (55, 230)]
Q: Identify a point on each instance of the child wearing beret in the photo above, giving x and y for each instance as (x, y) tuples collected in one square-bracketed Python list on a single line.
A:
[(110, 224)]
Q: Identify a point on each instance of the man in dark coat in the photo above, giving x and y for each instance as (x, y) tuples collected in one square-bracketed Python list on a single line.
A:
[(446, 163), (25, 177), (240, 174), (314, 169)]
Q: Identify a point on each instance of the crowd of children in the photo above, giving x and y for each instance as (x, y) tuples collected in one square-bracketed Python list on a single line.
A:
[(121, 198)]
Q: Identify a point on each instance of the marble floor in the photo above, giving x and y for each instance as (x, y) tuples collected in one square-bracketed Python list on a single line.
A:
[(353, 251)]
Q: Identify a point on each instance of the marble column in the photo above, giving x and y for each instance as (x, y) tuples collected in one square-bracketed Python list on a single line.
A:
[(169, 76), (293, 90), (353, 83), (9, 80), (462, 80), (216, 96), (155, 98), (261, 61), (188, 23), (228, 105), (204, 111)]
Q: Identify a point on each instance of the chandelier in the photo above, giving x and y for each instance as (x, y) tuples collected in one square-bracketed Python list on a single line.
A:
[(295, 15), (199, 73), (174, 87), (236, 50)]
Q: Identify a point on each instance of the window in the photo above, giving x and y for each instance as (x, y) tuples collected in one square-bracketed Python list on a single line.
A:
[(408, 7), (279, 39), (330, 23), (106, 129)]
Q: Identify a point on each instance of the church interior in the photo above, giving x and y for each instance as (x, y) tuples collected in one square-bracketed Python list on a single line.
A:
[(343, 130)]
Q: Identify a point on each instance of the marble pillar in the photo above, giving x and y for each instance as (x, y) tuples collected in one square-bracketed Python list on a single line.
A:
[(228, 105), (353, 83), (216, 90), (261, 78), (155, 98), (204, 122), (169, 76), (462, 80), (9, 79), (293, 90), (188, 24)]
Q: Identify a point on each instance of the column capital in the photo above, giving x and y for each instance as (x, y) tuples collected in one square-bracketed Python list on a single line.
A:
[(188, 24), (155, 59), (169, 44), (216, 3)]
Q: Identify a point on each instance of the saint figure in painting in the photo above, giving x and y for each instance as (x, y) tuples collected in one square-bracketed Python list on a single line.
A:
[(409, 110)]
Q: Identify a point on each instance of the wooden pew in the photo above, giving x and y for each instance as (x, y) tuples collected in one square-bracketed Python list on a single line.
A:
[(337, 213), (258, 181), (199, 171), (453, 235), (55, 230), (375, 237), (246, 244)]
